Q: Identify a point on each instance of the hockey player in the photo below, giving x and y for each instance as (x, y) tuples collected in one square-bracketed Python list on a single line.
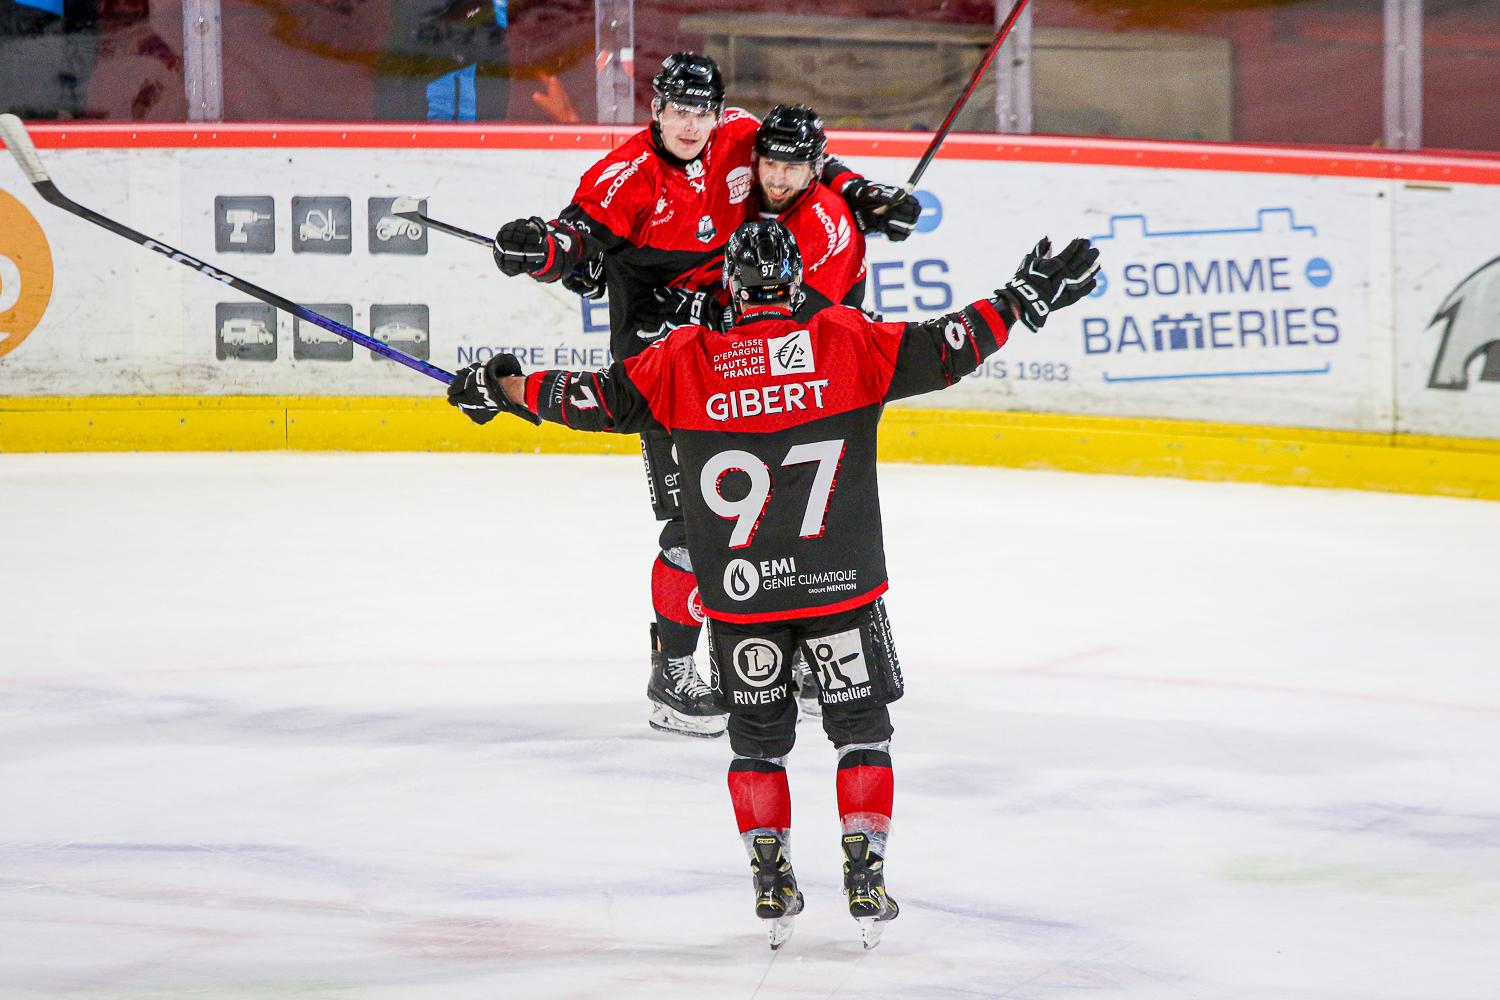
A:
[(790, 149), (789, 158), (659, 209), (775, 426)]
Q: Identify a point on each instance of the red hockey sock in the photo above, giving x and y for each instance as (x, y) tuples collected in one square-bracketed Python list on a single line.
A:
[(866, 790), (679, 615), (760, 794)]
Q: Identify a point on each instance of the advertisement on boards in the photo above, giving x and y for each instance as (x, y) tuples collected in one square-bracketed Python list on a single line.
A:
[(1288, 298), (1448, 310)]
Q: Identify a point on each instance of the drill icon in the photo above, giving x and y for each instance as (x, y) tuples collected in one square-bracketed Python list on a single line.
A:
[(238, 219)]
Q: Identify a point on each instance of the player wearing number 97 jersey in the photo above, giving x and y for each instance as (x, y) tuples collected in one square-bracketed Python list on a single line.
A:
[(775, 427)]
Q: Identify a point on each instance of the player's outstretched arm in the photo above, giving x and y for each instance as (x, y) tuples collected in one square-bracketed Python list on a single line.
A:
[(886, 208), (569, 247), (544, 250), (478, 390), (582, 401), (937, 353)]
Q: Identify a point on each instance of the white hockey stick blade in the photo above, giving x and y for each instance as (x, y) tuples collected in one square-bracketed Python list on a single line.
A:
[(20, 146), (406, 205)]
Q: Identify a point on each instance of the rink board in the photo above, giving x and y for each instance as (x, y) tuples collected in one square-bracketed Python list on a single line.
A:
[(1330, 292), (1461, 467)]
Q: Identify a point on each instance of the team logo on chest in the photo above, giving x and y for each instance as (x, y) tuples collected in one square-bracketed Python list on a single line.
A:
[(706, 229), (663, 205), (694, 173)]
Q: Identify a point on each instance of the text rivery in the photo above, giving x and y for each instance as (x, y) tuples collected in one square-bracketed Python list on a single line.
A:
[(767, 697), (766, 400)]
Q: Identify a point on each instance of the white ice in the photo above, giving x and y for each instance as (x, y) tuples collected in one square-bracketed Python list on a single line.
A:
[(374, 727)]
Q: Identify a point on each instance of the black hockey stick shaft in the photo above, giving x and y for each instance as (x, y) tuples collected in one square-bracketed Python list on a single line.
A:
[(963, 98), (26, 156), (409, 208)]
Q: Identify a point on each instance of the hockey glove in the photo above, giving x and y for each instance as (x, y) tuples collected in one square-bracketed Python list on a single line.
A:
[(1046, 284), (882, 207), (544, 250), (681, 307), (476, 390), (587, 279), (521, 247)]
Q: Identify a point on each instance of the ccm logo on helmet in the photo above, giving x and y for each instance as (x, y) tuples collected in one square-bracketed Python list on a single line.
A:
[(768, 399)]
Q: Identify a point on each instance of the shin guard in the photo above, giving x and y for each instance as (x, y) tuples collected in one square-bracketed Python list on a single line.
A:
[(761, 797), (679, 615), (866, 790)]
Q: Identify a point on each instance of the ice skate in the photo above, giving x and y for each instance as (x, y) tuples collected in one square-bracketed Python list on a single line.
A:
[(680, 702), (806, 680), (777, 899), (864, 885)]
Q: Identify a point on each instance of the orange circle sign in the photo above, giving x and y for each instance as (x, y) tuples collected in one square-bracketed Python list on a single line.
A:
[(25, 273)]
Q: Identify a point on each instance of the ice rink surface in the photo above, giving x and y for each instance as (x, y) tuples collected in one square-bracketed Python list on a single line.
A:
[(374, 726)]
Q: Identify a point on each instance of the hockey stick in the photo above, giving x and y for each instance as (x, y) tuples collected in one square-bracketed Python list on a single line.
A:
[(984, 64), (24, 151), (409, 208)]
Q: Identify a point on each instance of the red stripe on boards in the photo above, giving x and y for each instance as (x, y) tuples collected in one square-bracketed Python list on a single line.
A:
[(1429, 167)]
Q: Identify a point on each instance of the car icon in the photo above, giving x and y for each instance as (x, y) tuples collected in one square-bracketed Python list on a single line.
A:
[(404, 332)]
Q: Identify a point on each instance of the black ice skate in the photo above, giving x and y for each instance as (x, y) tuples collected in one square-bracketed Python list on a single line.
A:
[(777, 899), (680, 702), (864, 885), (806, 680)]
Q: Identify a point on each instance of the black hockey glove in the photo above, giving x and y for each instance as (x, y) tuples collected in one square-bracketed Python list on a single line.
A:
[(1046, 284), (883, 207), (587, 279), (680, 307), (476, 390), (521, 247), (544, 250)]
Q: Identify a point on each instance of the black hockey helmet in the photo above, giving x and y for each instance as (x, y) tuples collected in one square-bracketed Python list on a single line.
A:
[(762, 266), (792, 133), (689, 81)]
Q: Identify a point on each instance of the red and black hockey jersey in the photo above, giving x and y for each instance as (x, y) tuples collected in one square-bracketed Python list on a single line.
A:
[(774, 424), (659, 218), (832, 248)]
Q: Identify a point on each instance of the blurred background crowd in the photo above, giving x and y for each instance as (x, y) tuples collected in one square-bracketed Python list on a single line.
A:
[(1322, 72)]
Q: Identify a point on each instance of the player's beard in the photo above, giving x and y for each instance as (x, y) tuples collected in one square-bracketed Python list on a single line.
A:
[(776, 205)]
